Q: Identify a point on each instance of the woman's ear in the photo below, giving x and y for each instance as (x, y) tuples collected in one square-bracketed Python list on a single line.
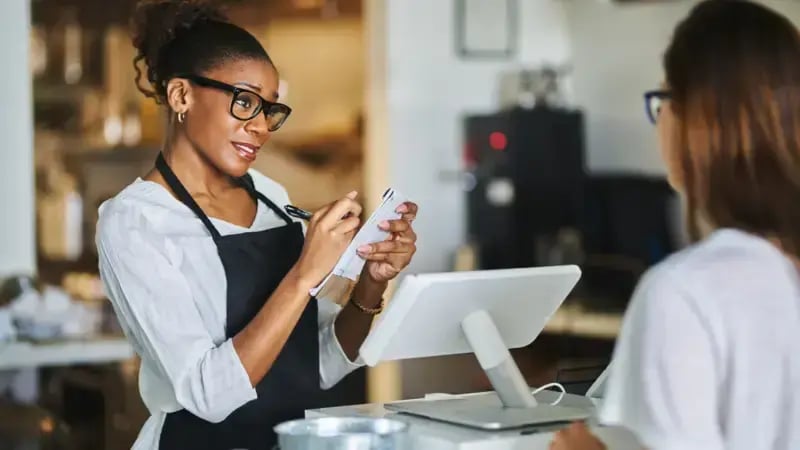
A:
[(179, 95)]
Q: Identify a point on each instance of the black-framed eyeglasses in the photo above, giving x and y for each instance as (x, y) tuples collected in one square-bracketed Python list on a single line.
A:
[(653, 101), (246, 104)]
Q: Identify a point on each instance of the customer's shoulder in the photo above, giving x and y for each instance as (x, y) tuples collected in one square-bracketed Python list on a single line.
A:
[(724, 252), (726, 264)]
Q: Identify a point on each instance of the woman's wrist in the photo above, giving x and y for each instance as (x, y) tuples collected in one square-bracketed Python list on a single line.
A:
[(369, 292), (299, 280)]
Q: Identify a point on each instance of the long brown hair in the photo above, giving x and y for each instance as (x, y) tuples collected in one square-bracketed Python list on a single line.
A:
[(733, 70)]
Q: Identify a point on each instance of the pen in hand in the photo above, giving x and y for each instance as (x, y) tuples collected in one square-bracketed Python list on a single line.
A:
[(302, 214), (297, 213)]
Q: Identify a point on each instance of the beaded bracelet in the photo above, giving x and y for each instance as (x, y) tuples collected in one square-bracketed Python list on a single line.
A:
[(371, 311)]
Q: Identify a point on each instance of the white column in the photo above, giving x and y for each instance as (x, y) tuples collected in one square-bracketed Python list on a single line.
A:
[(17, 200)]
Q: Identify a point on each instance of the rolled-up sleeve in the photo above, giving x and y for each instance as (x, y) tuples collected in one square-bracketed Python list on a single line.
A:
[(334, 364), (157, 312)]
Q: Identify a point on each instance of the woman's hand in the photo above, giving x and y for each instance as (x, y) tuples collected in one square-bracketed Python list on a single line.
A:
[(388, 258), (576, 437), (329, 232), (384, 260)]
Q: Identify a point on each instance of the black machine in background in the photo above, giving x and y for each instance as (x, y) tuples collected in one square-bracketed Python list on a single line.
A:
[(626, 227), (528, 171), (533, 203)]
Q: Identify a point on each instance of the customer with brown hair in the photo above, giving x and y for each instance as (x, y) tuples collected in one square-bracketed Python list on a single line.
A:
[(709, 354)]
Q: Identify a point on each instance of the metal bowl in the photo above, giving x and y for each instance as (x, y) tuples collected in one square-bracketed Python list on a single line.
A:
[(342, 433)]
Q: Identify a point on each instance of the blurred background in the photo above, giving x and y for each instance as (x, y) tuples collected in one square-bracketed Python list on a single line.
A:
[(518, 126)]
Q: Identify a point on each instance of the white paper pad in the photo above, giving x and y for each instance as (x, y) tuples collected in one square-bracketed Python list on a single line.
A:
[(350, 264)]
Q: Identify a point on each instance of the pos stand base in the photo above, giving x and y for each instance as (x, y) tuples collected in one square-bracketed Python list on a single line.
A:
[(514, 405)]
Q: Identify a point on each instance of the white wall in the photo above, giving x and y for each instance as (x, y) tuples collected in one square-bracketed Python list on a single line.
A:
[(616, 51), (429, 90), (17, 215), (418, 91), (615, 54)]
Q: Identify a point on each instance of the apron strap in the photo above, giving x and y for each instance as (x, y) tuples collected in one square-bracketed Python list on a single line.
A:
[(183, 195), (247, 182)]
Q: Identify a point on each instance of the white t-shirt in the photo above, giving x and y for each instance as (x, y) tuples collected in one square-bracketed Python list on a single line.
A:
[(162, 273), (709, 353)]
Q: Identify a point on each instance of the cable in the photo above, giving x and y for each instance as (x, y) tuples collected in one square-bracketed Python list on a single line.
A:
[(551, 385)]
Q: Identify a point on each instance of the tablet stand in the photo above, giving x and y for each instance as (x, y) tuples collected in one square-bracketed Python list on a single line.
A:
[(496, 361), (517, 409), (485, 312)]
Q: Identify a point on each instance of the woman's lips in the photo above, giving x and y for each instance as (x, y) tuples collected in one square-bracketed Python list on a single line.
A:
[(246, 151)]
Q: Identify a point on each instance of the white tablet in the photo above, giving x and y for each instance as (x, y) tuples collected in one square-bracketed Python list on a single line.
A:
[(424, 318)]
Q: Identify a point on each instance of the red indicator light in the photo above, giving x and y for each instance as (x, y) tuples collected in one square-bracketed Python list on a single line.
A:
[(498, 141)]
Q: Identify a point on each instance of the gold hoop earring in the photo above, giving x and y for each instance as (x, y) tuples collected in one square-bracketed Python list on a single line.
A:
[(181, 117)]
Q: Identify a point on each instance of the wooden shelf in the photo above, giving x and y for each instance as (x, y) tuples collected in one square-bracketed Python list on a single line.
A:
[(575, 321), (96, 13)]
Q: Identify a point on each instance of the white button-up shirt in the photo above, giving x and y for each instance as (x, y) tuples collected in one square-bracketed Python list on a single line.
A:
[(162, 273)]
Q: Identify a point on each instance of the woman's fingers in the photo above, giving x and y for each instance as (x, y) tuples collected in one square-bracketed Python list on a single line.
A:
[(395, 226), (408, 208), (339, 210), (348, 225), (379, 250)]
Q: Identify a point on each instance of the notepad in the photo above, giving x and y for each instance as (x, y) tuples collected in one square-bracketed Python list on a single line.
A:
[(350, 264)]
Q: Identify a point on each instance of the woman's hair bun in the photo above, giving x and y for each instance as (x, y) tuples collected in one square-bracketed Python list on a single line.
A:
[(156, 24)]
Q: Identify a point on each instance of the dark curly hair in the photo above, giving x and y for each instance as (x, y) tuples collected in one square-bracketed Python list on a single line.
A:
[(174, 37)]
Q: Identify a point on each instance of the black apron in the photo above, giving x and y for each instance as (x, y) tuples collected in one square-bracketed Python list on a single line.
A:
[(255, 263)]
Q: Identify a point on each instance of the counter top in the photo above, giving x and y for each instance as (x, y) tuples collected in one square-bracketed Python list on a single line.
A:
[(96, 350), (432, 435)]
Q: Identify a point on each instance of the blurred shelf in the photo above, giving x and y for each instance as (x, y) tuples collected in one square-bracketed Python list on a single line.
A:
[(257, 12), (577, 322), (90, 13), (96, 14), (99, 350), (46, 91)]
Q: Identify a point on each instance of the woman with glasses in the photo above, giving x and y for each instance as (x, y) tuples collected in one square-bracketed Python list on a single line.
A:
[(709, 353), (207, 273)]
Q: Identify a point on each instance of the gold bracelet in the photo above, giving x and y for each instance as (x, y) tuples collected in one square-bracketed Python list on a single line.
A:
[(365, 310)]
